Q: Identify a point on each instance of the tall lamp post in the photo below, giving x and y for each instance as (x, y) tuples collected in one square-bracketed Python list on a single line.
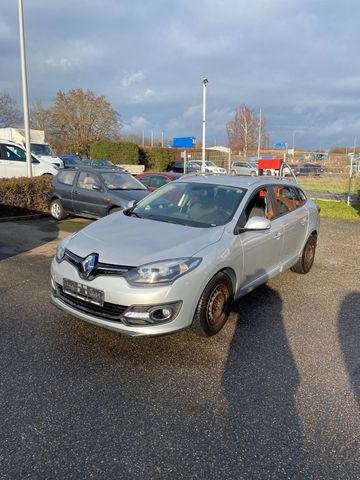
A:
[(205, 82), (24, 90)]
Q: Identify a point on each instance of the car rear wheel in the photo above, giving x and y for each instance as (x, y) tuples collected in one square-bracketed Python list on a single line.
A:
[(305, 262), (56, 210), (213, 308), (232, 172)]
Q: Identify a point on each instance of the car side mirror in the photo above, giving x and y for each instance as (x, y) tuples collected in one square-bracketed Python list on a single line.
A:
[(98, 188), (255, 224)]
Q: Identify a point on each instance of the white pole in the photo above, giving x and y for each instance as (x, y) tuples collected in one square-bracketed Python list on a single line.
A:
[(25, 90), (350, 172), (205, 81), (152, 138), (162, 139), (259, 139), (143, 137)]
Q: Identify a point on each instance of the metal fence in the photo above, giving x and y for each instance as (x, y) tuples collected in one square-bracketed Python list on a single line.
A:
[(337, 178)]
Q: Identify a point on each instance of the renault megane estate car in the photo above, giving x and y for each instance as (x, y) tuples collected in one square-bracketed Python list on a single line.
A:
[(180, 256)]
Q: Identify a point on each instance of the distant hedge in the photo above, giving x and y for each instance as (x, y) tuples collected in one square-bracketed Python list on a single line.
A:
[(117, 152), (27, 193), (157, 158)]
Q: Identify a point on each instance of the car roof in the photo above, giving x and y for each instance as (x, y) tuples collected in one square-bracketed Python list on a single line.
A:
[(237, 181), (162, 174), (88, 168)]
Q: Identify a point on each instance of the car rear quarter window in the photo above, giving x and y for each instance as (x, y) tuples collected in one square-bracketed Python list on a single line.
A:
[(301, 196), (66, 178), (286, 198)]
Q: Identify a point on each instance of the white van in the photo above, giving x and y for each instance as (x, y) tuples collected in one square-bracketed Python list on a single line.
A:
[(13, 162), (39, 148)]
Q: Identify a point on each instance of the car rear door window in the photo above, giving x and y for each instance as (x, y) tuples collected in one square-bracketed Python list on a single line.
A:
[(66, 177)]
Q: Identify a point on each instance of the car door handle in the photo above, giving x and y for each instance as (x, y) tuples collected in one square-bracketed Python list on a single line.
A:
[(278, 235)]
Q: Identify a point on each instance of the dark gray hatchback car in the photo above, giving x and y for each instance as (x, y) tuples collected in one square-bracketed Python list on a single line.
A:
[(93, 192)]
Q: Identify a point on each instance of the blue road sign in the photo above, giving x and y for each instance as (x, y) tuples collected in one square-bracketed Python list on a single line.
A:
[(279, 145)]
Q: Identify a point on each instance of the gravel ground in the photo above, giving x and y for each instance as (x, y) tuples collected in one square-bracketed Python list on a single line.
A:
[(274, 396)]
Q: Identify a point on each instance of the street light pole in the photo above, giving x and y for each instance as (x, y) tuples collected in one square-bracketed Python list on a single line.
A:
[(259, 139), (24, 89), (205, 82)]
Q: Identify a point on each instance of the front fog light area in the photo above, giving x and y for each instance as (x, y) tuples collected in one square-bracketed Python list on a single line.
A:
[(151, 314)]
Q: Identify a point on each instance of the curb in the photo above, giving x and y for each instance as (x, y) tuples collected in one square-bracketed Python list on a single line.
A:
[(24, 217)]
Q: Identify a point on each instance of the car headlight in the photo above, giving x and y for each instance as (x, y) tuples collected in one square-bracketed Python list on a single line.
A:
[(60, 252), (161, 273)]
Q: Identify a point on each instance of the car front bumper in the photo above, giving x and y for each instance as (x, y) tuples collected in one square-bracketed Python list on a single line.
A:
[(185, 291)]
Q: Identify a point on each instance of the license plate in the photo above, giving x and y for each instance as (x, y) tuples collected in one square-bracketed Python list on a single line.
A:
[(83, 292)]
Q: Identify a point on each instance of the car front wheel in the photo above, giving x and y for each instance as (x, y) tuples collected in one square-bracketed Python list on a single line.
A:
[(56, 210), (213, 308), (305, 262)]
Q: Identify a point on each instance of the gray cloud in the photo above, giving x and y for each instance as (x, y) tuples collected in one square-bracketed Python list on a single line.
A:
[(296, 59)]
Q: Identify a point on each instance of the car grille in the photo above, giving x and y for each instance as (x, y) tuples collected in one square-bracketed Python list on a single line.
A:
[(100, 268), (109, 311)]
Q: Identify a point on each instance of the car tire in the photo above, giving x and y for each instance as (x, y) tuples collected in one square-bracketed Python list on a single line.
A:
[(56, 209), (114, 210), (305, 262), (232, 172), (213, 308)]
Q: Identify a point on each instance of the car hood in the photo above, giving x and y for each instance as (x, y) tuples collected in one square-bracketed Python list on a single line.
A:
[(123, 240), (126, 196)]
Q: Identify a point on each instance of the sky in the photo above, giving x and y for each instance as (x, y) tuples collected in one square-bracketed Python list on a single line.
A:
[(296, 60)]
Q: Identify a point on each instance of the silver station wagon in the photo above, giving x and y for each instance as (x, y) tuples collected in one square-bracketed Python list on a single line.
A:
[(183, 254)]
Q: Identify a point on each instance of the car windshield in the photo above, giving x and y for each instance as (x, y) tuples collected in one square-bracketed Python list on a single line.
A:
[(121, 181), (191, 204), (40, 149), (100, 163), (71, 161)]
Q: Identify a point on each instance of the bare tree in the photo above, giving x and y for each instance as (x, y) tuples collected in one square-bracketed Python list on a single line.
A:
[(243, 131), (10, 115), (40, 117), (79, 119)]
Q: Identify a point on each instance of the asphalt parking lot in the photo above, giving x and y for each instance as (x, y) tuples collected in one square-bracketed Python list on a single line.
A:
[(274, 396)]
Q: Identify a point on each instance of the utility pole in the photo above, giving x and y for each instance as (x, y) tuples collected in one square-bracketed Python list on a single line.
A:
[(143, 137), (162, 139), (205, 82), (24, 89), (152, 138)]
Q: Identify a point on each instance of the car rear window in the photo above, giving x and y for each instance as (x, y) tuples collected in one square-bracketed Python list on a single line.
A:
[(66, 177)]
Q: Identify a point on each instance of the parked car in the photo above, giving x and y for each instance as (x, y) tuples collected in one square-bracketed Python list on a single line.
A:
[(210, 167), (244, 168), (102, 164), (178, 166), (71, 161), (309, 169), (154, 180), (180, 256), (13, 162), (90, 192)]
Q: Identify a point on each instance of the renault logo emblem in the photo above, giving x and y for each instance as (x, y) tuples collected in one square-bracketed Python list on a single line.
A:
[(88, 265)]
